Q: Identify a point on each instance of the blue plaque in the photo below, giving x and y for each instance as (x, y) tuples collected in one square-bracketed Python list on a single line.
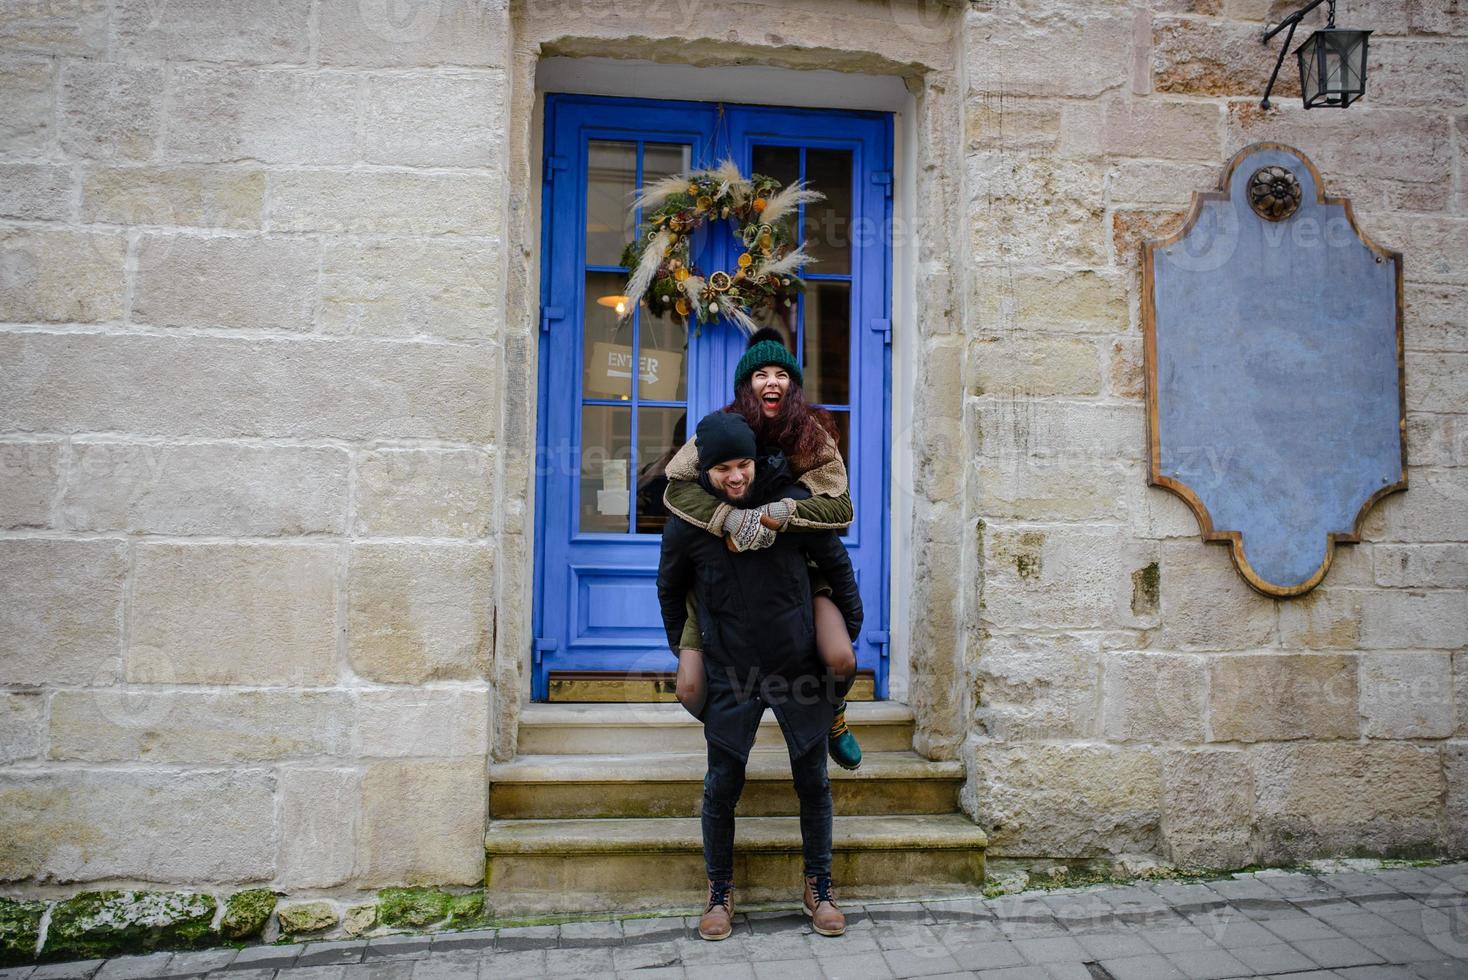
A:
[(1275, 380)]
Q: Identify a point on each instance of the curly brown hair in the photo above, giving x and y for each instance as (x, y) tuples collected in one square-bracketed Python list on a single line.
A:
[(799, 428)]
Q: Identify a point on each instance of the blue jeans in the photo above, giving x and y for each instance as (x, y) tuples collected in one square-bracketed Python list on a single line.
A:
[(722, 785)]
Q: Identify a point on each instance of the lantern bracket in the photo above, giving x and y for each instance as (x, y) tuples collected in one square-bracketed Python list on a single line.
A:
[(1292, 21)]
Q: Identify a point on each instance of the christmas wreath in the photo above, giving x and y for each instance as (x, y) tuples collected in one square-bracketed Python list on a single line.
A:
[(675, 207)]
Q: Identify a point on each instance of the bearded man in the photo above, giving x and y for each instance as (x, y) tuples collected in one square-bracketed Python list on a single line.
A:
[(759, 650)]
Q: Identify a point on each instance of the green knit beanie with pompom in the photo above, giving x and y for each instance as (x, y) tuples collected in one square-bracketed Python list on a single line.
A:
[(766, 347)]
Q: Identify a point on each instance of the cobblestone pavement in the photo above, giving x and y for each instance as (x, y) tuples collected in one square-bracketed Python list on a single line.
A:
[(1397, 924)]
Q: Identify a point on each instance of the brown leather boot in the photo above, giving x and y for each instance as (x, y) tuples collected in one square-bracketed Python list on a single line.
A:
[(717, 919), (820, 905)]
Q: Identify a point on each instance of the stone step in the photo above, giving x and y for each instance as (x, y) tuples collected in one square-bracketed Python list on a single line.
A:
[(671, 785), (535, 867), (650, 727)]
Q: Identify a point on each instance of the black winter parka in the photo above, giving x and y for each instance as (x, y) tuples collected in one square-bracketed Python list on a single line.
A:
[(754, 611)]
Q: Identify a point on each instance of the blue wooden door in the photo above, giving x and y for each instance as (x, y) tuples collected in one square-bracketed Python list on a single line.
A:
[(616, 397)]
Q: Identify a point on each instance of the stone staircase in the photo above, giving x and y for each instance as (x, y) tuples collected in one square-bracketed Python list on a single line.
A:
[(599, 812)]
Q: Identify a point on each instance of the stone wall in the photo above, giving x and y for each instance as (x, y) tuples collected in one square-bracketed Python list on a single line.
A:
[(250, 379), (1129, 693), (267, 397)]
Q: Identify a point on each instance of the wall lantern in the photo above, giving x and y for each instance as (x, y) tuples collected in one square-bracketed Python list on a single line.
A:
[(1332, 61)]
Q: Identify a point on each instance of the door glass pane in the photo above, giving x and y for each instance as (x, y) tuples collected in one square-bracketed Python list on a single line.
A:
[(783, 320), (660, 432), (665, 343), (828, 222), (779, 162), (843, 436), (662, 160), (828, 343), (663, 360), (611, 177), (783, 164), (606, 494), (606, 358)]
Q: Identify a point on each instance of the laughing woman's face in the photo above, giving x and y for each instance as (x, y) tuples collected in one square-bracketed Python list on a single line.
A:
[(771, 386)]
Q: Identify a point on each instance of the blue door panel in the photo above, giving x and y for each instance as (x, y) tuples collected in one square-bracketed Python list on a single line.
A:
[(595, 598), (614, 602)]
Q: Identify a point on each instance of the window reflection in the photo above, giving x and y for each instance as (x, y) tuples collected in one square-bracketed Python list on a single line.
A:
[(663, 160), (828, 222), (828, 342), (660, 433), (606, 445), (663, 359), (611, 176), (843, 434), (606, 339)]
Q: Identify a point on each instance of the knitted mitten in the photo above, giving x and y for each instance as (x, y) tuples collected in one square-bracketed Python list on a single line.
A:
[(780, 511), (745, 530)]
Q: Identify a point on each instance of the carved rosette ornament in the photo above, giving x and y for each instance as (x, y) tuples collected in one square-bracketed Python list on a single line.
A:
[(1274, 193)]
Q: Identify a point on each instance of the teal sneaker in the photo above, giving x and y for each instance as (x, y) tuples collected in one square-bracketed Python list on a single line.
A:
[(844, 747)]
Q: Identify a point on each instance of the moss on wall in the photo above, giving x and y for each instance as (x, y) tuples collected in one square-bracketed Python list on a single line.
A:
[(96, 924), (20, 923), (245, 913), (413, 908), (466, 910), (306, 917)]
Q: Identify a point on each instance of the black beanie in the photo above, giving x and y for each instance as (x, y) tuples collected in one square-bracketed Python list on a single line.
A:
[(723, 436)]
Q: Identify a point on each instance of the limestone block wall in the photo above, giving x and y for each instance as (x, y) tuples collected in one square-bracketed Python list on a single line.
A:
[(1128, 692), (251, 293)]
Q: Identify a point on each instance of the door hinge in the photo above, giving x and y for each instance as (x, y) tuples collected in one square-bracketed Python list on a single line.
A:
[(884, 178), (883, 327), (549, 167), (548, 315), (544, 646)]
